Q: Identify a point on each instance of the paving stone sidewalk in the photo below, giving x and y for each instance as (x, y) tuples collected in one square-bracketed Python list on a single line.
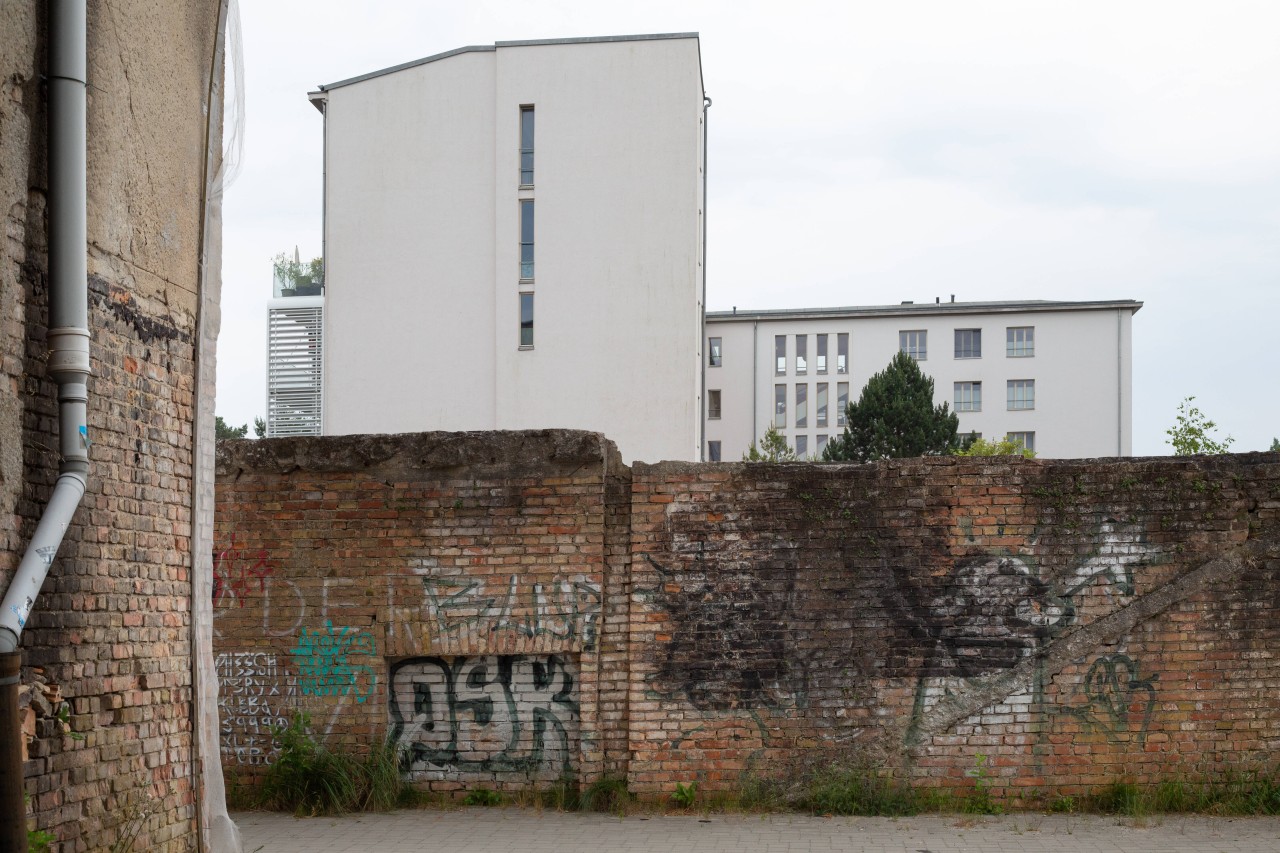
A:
[(475, 830)]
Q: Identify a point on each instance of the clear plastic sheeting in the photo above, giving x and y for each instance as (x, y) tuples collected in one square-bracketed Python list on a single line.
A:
[(218, 832)]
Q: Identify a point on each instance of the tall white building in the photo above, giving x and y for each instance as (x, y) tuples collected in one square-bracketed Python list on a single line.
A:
[(1055, 374), (514, 239)]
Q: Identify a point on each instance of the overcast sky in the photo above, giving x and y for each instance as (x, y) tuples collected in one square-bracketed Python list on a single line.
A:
[(865, 153)]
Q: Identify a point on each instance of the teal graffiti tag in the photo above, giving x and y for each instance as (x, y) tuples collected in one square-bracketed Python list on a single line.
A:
[(322, 661)]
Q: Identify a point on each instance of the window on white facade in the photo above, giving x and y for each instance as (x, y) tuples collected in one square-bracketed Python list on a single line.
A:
[(526, 146), (780, 406), (968, 343), (526, 239), (842, 353), (713, 451), (714, 355), (802, 446), (802, 406), (1027, 439), (822, 443), (968, 397), (842, 403), (914, 343), (822, 354), (822, 404), (526, 319), (1022, 394), (1020, 341), (780, 354), (802, 355), (713, 404)]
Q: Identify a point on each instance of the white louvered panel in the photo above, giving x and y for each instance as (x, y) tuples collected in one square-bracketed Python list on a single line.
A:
[(295, 353)]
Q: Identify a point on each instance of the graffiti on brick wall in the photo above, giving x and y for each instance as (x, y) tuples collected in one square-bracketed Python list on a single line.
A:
[(1118, 700), (256, 695), (323, 662), (491, 714), (242, 577), (731, 648), (994, 612), (237, 573), (565, 608)]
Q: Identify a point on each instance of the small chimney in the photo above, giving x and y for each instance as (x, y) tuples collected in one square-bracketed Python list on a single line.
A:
[(907, 302), (953, 297), (937, 300), (735, 308)]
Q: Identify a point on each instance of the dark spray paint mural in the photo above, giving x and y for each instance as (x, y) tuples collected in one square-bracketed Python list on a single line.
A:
[(484, 718)]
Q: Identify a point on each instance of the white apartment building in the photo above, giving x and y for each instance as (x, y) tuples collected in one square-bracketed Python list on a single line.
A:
[(514, 239), (1055, 374)]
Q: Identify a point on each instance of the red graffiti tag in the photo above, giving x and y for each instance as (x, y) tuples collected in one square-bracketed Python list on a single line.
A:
[(234, 572)]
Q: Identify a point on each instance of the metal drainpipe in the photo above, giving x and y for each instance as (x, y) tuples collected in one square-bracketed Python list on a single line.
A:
[(68, 340), (702, 367)]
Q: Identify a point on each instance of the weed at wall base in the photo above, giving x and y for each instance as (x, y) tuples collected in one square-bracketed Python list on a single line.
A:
[(308, 779)]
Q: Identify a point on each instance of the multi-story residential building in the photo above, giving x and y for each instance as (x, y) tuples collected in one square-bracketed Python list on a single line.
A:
[(514, 239), (1056, 375)]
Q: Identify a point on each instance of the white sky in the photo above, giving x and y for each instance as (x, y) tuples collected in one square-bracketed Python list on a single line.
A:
[(863, 153)]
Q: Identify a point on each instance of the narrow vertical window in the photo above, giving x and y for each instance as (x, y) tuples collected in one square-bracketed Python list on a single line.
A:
[(526, 319), (802, 406), (526, 239), (780, 354), (842, 353), (822, 404), (802, 446), (713, 405), (842, 403), (526, 146), (802, 355), (822, 443), (713, 451), (780, 406), (822, 354), (715, 357)]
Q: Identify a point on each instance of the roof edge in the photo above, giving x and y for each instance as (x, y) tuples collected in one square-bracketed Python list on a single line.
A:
[(474, 48), (921, 309), (487, 48)]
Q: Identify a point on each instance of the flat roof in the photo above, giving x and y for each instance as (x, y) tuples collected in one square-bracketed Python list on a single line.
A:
[(483, 48), (918, 308)]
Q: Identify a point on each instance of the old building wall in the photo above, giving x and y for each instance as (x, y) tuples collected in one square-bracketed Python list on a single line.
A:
[(442, 588), (112, 632), (1041, 626)]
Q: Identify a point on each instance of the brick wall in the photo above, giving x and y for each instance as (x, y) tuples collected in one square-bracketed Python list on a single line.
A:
[(1058, 624), (446, 589), (111, 633)]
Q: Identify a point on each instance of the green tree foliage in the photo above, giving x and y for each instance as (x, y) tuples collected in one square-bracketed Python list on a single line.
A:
[(259, 428), (1191, 432), (224, 430), (773, 448), (1275, 445), (974, 446), (895, 418)]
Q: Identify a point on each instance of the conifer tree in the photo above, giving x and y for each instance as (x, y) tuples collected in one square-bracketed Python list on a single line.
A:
[(895, 418)]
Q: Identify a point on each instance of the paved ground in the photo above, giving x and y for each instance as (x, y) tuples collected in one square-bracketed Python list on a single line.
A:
[(475, 830)]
